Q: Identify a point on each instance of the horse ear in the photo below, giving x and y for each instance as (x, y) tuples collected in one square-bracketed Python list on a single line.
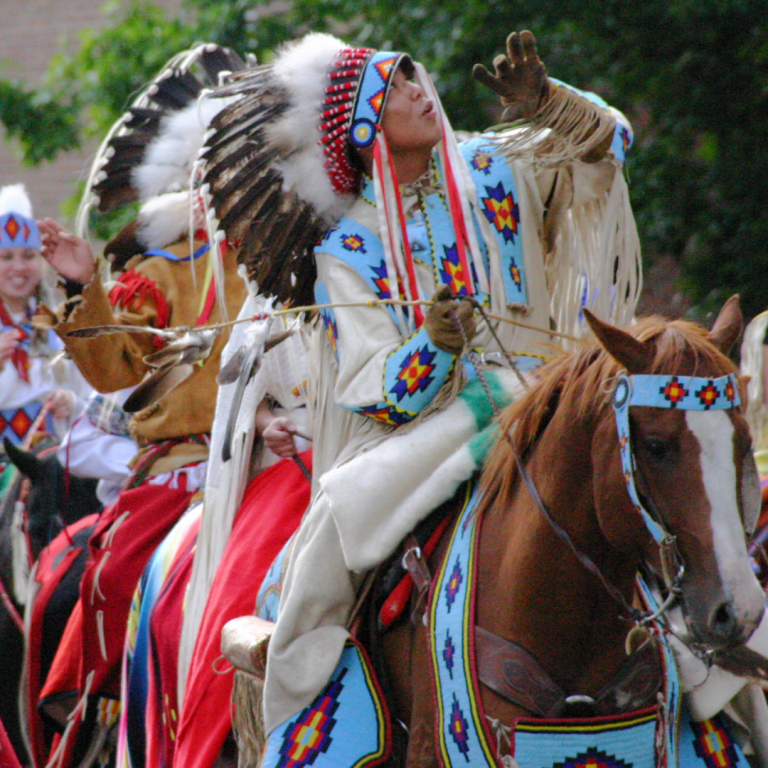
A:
[(25, 462), (636, 356), (728, 326)]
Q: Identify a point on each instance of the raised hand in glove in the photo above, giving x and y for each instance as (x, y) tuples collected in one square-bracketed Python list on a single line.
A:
[(521, 77), (441, 321)]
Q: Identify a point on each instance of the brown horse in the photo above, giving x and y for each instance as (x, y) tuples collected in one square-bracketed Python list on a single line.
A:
[(694, 467)]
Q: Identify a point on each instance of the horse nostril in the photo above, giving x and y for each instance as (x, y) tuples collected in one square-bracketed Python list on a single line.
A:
[(723, 621)]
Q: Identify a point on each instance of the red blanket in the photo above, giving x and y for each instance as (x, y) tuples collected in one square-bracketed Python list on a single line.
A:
[(272, 508), (127, 534), (162, 717), (52, 566)]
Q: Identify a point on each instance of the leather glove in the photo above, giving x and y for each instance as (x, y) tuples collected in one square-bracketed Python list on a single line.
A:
[(441, 321), (521, 77)]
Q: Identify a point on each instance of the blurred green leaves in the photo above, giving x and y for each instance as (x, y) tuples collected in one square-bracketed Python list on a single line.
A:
[(692, 76)]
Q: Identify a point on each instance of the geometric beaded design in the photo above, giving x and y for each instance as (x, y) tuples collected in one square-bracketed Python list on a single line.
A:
[(592, 758), (453, 585), (17, 231), (482, 161), (451, 272), (449, 653), (107, 711), (415, 373), (459, 728), (502, 211), (674, 392), (714, 744), (310, 734), (15, 423), (381, 281), (12, 227)]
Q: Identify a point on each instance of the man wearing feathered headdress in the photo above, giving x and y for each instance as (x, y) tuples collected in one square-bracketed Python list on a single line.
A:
[(348, 150)]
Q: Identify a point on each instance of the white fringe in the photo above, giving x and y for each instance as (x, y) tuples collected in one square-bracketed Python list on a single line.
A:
[(225, 485), (597, 253), (20, 549), (752, 360), (566, 128)]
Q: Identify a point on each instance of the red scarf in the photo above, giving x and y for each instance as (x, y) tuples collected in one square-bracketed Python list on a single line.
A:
[(20, 357)]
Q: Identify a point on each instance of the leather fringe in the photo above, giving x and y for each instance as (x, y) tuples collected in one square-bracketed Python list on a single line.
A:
[(248, 719), (565, 129)]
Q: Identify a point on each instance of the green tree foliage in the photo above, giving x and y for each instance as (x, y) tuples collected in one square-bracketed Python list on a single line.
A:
[(690, 74)]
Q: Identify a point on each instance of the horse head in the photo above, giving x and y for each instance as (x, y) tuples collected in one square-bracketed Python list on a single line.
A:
[(54, 500), (687, 465)]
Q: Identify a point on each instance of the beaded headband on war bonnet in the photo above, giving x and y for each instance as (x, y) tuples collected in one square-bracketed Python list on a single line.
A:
[(280, 168), (354, 106)]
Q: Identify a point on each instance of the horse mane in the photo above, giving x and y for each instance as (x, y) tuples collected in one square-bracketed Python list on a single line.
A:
[(590, 368)]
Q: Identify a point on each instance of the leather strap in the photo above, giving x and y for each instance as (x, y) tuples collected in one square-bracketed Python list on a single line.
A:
[(509, 670), (416, 565), (513, 673)]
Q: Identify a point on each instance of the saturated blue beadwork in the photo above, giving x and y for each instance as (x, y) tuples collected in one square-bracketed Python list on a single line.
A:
[(497, 199), (414, 373), (459, 728)]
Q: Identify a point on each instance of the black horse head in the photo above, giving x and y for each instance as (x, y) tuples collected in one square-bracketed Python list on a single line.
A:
[(54, 501)]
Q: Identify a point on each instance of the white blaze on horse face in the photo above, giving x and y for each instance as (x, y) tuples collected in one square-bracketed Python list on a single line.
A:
[(714, 431)]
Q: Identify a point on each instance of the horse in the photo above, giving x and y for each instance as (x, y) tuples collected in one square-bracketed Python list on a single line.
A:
[(556, 575), (53, 501)]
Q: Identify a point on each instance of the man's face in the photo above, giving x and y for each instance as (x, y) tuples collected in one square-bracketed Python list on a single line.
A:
[(19, 272), (410, 119)]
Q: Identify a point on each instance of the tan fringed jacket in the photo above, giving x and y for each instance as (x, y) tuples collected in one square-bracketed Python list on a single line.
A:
[(161, 293)]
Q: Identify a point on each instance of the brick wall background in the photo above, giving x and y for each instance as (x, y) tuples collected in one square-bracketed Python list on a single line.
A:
[(30, 33)]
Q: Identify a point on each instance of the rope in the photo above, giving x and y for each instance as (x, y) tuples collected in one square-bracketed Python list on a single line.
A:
[(372, 303)]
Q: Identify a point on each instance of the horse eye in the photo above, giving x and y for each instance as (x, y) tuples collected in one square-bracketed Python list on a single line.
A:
[(655, 447)]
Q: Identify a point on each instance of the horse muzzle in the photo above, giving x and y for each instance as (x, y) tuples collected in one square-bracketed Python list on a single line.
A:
[(727, 622)]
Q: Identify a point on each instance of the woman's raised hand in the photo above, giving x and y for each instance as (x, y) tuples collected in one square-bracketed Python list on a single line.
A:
[(68, 254)]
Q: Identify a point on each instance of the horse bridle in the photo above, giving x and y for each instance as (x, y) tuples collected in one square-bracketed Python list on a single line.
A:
[(685, 393), (689, 393)]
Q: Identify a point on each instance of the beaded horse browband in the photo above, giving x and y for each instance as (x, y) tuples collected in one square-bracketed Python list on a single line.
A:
[(686, 393)]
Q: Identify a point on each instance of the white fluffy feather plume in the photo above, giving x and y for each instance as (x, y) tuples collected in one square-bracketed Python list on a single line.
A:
[(303, 69), (14, 199), (171, 156)]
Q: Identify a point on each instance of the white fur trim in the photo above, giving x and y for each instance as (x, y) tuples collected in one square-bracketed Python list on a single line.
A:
[(14, 199), (399, 494), (303, 68)]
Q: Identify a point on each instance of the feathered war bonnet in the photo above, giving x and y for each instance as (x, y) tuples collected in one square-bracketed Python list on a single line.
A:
[(281, 169), (17, 227), (149, 154)]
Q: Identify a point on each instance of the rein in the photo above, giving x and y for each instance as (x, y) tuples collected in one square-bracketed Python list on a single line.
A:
[(656, 391)]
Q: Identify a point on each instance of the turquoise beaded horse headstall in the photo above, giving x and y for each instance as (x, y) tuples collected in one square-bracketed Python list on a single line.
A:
[(685, 393)]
